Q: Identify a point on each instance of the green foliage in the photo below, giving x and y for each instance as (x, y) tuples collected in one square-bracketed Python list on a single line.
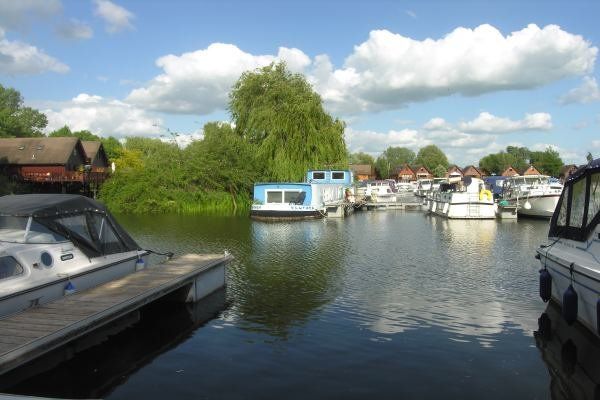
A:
[(16, 120), (547, 162), (361, 158), (497, 163), (112, 147), (431, 156), (439, 171), (589, 157), (281, 114), (65, 131), (398, 156), (522, 157), (383, 167)]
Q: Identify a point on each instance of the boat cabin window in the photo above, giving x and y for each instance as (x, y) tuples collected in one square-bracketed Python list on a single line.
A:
[(107, 237), (594, 206), (9, 267), (577, 204), (318, 175), (338, 175), (76, 223), (15, 229), (283, 196), (274, 196)]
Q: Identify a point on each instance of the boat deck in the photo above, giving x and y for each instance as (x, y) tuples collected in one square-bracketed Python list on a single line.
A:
[(36, 331)]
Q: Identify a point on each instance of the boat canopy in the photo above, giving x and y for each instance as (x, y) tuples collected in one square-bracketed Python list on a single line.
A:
[(578, 210), (84, 221)]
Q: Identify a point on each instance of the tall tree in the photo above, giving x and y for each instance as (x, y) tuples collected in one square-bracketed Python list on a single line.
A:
[(361, 158), (439, 171), (281, 113), (398, 156), (547, 162), (383, 167), (522, 157), (431, 156), (16, 120), (496, 163)]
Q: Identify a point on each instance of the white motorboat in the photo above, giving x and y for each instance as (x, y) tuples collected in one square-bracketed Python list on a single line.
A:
[(381, 191), (571, 261), (52, 245), (466, 199), (423, 186), (533, 195)]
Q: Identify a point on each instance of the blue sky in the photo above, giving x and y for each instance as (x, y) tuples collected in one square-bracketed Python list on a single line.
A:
[(469, 76)]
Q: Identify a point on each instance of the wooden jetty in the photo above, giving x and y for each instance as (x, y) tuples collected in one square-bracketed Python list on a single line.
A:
[(29, 334)]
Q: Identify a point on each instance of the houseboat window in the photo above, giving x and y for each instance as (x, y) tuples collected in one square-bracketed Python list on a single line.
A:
[(318, 175), (290, 196), (9, 267), (577, 204), (594, 206), (562, 215), (338, 175), (274, 196)]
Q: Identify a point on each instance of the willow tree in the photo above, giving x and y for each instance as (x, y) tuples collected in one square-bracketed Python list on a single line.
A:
[(280, 113)]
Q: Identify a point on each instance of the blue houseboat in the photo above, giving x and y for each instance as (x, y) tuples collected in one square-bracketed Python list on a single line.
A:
[(323, 190)]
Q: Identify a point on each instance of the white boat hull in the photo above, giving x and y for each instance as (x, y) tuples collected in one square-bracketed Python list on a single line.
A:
[(460, 205), (542, 206), (53, 290)]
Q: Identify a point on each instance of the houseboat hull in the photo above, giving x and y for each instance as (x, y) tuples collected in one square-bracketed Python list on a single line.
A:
[(464, 210), (298, 213)]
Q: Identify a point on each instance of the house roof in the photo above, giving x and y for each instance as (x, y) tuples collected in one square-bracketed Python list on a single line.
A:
[(407, 167), (479, 171), (92, 148), (362, 169), (43, 150)]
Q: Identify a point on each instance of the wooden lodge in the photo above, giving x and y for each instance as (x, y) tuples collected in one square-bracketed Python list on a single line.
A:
[(474, 172), (531, 170), (509, 171), (405, 174), (454, 172), (423, 173), (61, 161), (362, 172)]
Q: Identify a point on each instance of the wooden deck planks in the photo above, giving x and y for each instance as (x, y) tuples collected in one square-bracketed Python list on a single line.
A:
[(33, 332)]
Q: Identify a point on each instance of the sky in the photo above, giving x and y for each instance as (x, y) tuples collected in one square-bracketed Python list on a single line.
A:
[(471, 77)]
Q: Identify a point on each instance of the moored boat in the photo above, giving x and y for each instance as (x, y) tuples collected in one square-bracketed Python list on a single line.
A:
[(571, 261), (466, 199), (533, 195), (52, 245)]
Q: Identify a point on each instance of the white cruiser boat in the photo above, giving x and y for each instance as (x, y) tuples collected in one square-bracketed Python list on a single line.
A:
[(571, 262), (52, 245), (466, 199), (533, 195), (381, 191)]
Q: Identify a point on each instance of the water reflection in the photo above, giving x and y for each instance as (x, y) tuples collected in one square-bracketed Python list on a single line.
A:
[(292, 270), (459, 278), (572, 356), (93, 366)]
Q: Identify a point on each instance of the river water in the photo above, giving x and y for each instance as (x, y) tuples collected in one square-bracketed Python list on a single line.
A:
[(385, 304)]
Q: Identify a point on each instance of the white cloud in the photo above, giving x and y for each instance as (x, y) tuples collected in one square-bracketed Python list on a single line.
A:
[(375, 142), (596, 144), (411, 14), (568, 156), (74, 29), (17, 14), (390, 70), (489, 123), (116, 17), (21, 58), (588, 92), (199, 82), (387, 71), (102, 116)]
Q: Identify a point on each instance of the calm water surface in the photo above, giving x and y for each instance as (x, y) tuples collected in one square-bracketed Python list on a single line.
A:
[(379, 305)]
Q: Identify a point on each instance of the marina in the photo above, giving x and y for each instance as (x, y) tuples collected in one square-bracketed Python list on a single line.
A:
[(456, 301)]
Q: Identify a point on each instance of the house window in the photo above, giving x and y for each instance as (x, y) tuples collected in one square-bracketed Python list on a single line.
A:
[(338, 175), (274, 196), (318, 175)]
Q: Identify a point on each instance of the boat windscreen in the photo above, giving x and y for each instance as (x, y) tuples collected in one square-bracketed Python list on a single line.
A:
[(578, 210), (82, 220), (26, 230)]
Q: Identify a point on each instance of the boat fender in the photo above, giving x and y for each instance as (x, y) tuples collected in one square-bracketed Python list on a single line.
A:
[(485, 193), (545, 285), (568, 357), (139, 264), (70, 288), (544, 327), (569, 310)]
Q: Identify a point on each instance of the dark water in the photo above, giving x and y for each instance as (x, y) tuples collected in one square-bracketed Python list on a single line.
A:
[(379, 305)]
